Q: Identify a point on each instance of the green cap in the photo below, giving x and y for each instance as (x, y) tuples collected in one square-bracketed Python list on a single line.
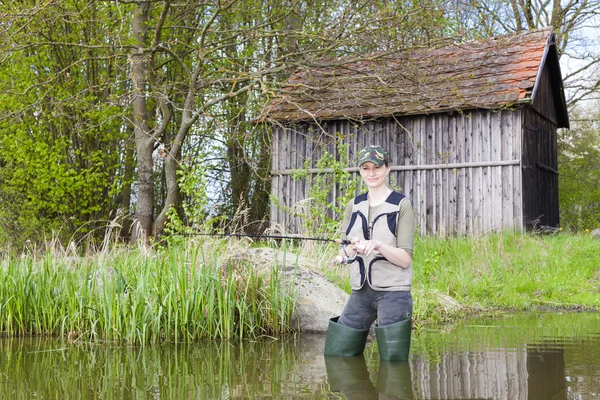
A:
[(375, 154)]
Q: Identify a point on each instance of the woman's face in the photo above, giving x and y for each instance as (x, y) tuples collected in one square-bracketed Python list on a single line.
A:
[(372, 175)]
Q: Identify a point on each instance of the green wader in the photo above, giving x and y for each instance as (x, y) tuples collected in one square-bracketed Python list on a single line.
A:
[(394, 340), (344, 341)]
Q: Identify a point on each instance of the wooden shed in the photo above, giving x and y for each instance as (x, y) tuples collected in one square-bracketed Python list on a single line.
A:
[(470, 127)]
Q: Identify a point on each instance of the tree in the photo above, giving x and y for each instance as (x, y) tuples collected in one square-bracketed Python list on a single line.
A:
[(579, 168), (60, 120)]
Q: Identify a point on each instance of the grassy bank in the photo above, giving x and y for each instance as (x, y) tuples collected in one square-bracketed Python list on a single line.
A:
[(507, 271), (195, 290)]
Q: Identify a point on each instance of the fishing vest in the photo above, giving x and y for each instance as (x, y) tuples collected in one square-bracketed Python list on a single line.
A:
[(375, 269)]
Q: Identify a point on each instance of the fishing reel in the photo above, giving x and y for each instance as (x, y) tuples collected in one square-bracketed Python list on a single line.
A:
[(345, 259)]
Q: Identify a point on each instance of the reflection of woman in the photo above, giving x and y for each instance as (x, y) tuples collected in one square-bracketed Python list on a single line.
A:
[(380, 224), (351, 377)]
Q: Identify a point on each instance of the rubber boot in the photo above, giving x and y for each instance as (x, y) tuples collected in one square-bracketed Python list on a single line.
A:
[(344, 341), (394, 341), (395, 379), (350, 377)]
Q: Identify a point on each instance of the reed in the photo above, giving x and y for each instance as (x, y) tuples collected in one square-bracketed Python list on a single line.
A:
[(185, 292)]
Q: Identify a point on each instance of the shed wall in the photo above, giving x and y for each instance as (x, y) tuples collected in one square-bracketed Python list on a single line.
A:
[(461, 171), (540, 171)]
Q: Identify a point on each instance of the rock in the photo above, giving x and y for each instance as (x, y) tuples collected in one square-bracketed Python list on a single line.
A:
[(449, 304), (318, 299), (596, 233)]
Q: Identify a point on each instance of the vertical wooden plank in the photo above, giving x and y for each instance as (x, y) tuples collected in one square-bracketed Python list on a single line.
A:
[(452, 179), (421, 194), (276, 165), (355, 132), (283, 187), (393, 151), (301, 188), (416, 128), (507, 173), (288, 186), (517, 153), (468, 148), (292, 157), (407, 154), (496, 184), (486, 181), (430, 184), (439, 151), (448, 125), (275, 179), (460, 176), (333, 132), (478, 227), (308, 158)]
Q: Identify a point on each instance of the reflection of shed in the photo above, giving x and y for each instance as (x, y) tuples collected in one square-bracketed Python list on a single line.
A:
[(471, 130), (500, 374), (537, 372)]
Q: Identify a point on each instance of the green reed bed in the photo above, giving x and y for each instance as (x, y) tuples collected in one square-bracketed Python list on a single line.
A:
[(184, 293)]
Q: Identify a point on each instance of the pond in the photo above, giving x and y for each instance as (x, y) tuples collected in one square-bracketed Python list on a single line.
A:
[(520, 356)]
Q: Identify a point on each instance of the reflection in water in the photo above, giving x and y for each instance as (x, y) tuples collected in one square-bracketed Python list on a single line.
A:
[(350, 376), (494, 374), (539, 357), (44, 368), (546, 372), (395, 380), (523, 357)]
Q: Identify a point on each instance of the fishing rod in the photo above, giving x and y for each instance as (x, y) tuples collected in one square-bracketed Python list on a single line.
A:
[(256, 235), (345, 259)]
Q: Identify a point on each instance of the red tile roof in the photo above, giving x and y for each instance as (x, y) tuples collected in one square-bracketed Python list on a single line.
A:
[(488, 73)]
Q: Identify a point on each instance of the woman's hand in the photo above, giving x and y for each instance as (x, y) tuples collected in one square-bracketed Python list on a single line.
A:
[(366, 247), (394, 255)]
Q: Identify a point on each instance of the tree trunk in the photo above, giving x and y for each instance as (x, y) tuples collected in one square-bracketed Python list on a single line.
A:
[(126, 192), (144, 142), (173, 199)]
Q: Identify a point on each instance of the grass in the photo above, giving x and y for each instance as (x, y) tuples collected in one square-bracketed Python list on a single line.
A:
[(183, 293), (505, 271), (195, 290)]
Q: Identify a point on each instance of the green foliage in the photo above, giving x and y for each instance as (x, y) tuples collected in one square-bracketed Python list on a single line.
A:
[(192, 183), (60, 129), (330, 189), (579, 168)]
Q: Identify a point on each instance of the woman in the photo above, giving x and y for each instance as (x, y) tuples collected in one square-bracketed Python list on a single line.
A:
[(380, 224)]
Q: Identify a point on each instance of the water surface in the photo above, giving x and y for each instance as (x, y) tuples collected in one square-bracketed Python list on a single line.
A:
[(522, 356)]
